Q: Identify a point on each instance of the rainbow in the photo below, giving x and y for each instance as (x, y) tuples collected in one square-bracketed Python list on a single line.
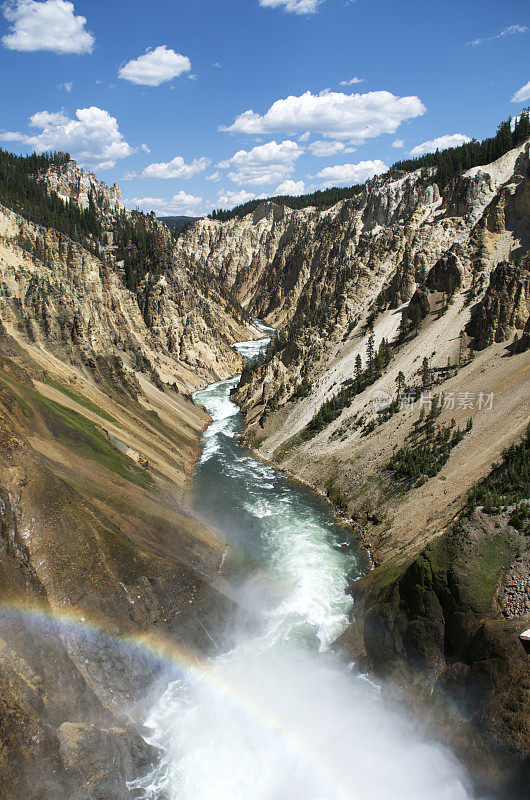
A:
[(191, 665)]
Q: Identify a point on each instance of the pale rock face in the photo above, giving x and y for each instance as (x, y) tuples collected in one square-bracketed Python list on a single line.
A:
[(273, 257), (331, 267), (505, 306), (74, 184), (78, 307)]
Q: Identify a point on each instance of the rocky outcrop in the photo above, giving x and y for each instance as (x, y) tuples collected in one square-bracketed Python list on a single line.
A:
[(97, 549), (63, 297), (505, 307), (73, 184), (98, 440), (371, 252), (443, 626), (446, 275)]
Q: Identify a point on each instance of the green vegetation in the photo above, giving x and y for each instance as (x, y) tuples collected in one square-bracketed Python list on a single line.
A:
[(487, 568), (141, 247), (138, 243), (448, 164), (303, 389), (453, 161), (427, 452), (335, 495), (21, 191), (416, 311), (332, 408), (324, 198), (81, 436), (508, 484), (80, 399)]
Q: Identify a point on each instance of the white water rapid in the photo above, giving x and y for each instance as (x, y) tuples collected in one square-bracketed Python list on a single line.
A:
[(279, 716)]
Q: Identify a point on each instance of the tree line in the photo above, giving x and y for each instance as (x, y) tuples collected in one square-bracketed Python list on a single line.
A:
[(23, 192), (449, 163)]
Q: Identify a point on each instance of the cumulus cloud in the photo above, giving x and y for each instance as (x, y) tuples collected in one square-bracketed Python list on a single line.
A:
[(441, 143), (265, 163), (155, 67), (181, 203), (349, 174), (332, 114), (215, 176), (509, 31), (398, 143), (291, 188), (176, 168), (523, 94), (51, 25), (67, 86), (293, 6), (351, 81), (228, 199), (93, 138), (323, 149)]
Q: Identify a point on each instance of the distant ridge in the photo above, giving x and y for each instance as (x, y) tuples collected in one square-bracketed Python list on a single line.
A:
[(177, 222)]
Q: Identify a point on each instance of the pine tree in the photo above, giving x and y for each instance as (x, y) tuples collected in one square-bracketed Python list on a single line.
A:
[(358, 370), (403, 325), (462, 348), (370, 350), (425, 373)]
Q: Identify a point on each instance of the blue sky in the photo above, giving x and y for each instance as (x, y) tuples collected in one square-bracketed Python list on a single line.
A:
[(196, 104)]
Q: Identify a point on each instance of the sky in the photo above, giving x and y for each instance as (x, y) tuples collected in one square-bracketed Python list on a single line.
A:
[(192, 105)]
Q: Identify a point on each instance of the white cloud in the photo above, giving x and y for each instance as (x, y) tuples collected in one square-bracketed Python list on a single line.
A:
[(93, 138), (180, 203), (441, 143), (352, 81), (332, 114), (228, 199), (291, 188), (293, 6), (265, 163), (323, 149), (215, 176), (51, 25), (176, 168), (67, 86), (349, 174), (523, 94), (509, 31), (155, 67), (398, 143), (145, 148)]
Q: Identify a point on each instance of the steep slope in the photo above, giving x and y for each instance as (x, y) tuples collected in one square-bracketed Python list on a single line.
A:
[(391, 387), (353, 448), (102, 567)]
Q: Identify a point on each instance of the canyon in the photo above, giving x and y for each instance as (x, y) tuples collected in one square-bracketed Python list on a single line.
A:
[(99, 439)]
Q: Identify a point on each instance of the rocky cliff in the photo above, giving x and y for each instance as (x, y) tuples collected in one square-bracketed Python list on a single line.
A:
[(397, 309), (392, 387), (102, 568), (73, 184)]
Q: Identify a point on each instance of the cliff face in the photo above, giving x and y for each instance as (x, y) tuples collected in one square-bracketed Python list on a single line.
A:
[(449, 627), (98, 439), (95, 545), (366, 393), (505, 307), (73, 184), (63, 297)]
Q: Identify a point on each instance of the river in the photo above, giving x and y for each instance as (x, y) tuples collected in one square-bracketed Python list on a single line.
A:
[(277, 715)]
